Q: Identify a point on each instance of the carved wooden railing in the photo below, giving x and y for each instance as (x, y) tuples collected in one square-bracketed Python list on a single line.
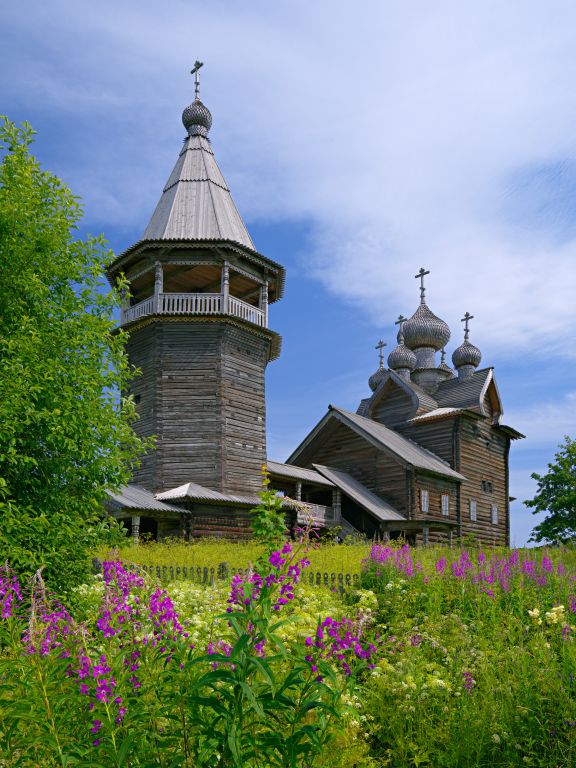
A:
[(193, 304)]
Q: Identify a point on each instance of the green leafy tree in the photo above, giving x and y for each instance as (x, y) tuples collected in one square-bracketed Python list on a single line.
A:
[(557, 496), (65, 434)]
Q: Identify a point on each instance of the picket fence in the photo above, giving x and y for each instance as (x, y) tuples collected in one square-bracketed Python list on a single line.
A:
[(223, 572)]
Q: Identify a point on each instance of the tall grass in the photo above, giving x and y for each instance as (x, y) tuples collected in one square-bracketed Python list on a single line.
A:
[(209, 553)]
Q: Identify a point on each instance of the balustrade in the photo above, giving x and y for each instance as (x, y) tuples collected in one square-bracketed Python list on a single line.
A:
[(193, 304)]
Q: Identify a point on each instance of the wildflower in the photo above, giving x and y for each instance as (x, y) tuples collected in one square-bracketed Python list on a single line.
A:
[(468, 681), (535, 615)]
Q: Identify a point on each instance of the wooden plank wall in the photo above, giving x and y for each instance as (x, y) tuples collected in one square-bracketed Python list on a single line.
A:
[(381, 474), (202, 394), (483, 458), (393, 406)]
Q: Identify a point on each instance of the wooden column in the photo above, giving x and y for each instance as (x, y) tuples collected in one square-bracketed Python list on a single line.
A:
[(263, 303), (225, 286), (337, 504), (298, 491), (425, 535), (158, 285), (135, 528)]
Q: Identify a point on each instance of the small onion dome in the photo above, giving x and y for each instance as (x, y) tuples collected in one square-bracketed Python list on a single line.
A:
[(424, 329), (197, 119), (376, 378), (402, 357), (466, 354)]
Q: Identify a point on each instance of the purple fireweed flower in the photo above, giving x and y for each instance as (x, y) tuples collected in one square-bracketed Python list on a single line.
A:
[(96, 725), (468, 681), (276, 559), (10, 592), (339, 641), (547, 565)]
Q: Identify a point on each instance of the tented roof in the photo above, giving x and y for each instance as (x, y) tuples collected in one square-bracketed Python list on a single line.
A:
[(196, 203)]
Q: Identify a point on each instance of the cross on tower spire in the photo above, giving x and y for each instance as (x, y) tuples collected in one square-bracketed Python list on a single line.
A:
[(421, 275), (196, 73), (380, 347), (465, 320)]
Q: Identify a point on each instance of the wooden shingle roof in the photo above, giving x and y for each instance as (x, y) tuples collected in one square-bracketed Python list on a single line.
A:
[(373, 504), (394, 444), (196, 203)]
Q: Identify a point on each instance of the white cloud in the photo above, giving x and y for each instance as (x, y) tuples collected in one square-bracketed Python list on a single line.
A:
[(399, 132)]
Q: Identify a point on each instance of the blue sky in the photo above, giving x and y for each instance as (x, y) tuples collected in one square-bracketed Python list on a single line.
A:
[(360, 143)]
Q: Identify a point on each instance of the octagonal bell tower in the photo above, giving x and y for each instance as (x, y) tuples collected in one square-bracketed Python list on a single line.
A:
[(197, 319)]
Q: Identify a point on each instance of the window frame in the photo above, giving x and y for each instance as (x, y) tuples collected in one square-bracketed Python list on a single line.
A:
[(445, 504)]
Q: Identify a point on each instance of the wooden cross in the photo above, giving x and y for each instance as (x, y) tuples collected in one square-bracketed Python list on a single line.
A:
[(380, 347), (465, 320), (196, 73), (421, 275), (401, 320)]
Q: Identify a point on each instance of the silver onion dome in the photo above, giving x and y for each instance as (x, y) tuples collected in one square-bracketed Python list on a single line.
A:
[(402, 357), (466, 354), (376, 378), (424, 329), (197, 119)]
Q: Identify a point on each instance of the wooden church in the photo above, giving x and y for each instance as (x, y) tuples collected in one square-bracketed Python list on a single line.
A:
[(425, 456)]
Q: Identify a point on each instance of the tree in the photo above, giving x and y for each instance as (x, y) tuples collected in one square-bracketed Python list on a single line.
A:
[(557, 496), (65, 434)]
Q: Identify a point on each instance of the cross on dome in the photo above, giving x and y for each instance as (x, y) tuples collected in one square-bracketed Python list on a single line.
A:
[(421, 275), (465, 320), (196, 73), (380, 347)]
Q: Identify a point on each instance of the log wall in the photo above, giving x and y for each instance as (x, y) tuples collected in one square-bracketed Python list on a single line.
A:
[(201, 393)]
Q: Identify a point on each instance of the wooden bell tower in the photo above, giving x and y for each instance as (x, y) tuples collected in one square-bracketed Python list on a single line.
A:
[(197, 320)]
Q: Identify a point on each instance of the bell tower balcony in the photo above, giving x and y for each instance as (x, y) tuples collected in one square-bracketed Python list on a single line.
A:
[(188, 289)]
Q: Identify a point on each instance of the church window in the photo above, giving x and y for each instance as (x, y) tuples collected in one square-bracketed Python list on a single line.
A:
[(487, 486), (445, 504), (473, 509), (424, 501), (494, 511)]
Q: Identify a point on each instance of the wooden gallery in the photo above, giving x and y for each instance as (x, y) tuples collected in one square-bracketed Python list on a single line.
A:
[(425, 456)]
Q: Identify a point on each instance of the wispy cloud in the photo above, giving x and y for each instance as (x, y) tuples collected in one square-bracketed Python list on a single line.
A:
[(411, 134)]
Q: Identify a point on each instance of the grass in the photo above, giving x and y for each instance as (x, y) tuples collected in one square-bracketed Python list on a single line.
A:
[(209, 553)]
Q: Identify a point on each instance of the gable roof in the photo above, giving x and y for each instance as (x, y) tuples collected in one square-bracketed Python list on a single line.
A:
[(373, 504), (383, 438), (196, 203), (421, 400), (467, 393)]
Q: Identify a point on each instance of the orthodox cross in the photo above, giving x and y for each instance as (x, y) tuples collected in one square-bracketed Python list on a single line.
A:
[(421, 275), (401, 320), (196, 73), (465, 320), (380, 347)]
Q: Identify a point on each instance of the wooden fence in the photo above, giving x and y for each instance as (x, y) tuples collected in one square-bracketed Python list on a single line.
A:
[(222, 572)]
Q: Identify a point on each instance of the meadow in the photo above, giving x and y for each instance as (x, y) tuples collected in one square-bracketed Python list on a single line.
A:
[(442, 657)]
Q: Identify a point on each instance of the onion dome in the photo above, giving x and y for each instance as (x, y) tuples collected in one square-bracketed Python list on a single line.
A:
[(376, 378), (197, 119), (424, 329), (466, 354), (402, 357)]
